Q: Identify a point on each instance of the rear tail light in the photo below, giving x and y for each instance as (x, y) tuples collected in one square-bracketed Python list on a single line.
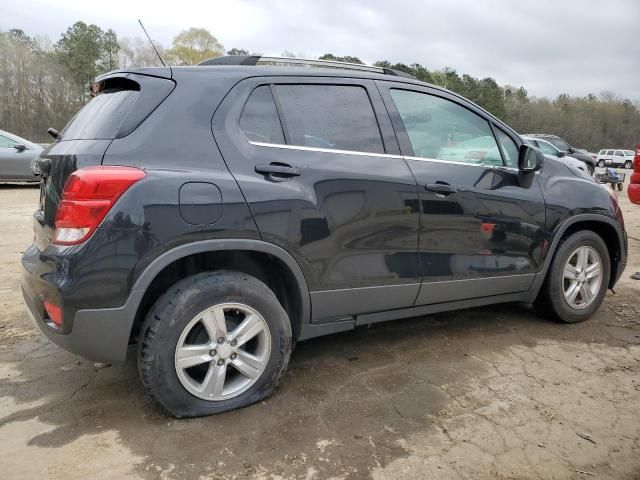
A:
[(54, 312), (88, 195)]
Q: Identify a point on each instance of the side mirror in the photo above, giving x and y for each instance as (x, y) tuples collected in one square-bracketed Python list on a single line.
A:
[(562, 154), (530, 159), (19, 147), (571, 150)]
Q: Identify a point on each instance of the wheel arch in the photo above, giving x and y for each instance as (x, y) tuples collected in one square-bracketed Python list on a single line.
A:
[(608, 229), (267, 262)]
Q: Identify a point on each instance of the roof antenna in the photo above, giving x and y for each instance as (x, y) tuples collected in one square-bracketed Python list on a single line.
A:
[(154, 47)]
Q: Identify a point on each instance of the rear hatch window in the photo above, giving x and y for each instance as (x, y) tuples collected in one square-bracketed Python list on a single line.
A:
[(119, 105)]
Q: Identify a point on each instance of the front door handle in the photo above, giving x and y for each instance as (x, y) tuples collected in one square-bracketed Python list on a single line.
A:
[(441, 188), (278, 172)]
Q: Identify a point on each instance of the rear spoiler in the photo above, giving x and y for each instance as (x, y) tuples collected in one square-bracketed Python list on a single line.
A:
[(160, 72)]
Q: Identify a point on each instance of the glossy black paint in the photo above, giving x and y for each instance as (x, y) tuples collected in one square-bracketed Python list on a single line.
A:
[(350, 220), (361, 231)]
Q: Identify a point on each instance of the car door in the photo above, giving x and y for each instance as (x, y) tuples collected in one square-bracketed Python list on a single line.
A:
[(618, 158), (319, 165), (609, 158), (10, 159), (481, 233)]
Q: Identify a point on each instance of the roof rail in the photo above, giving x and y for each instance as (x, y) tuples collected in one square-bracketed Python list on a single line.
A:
[(258, 59)]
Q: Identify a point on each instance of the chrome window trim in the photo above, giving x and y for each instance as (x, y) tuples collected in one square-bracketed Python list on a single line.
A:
[(368, 154), (466, 164), (324, 150)]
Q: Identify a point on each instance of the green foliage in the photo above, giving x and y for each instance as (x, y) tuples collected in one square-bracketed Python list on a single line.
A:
[(193, 46), (109, 51), (238, 51), (43, 86), (592, 122), (36, 89), (347, 58), (86, 51)]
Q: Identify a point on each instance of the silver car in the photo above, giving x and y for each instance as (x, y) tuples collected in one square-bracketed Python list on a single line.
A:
[(551, 150), (16, 158)]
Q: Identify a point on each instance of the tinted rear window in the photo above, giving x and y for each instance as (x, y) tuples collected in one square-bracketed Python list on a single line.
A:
[(330, 116), (102, 116)]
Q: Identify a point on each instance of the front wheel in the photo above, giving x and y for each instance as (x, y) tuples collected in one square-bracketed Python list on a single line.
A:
[(577, 279), (591, 170), (601, 163), (214, 342)]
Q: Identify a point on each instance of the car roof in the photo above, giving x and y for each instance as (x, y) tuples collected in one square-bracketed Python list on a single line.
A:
[(237, 73), (279, 70)]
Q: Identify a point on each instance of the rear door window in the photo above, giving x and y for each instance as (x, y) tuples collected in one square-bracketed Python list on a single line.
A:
[(337, 117), (259, 120)]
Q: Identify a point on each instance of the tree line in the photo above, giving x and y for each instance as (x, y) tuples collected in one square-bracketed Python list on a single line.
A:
[(43, 84)]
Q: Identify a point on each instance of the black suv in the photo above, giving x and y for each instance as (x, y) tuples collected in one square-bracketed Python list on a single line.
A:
[(216, 214), (567, 149)]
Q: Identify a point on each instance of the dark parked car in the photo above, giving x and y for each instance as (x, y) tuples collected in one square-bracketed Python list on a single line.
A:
[(215, 215), (16, 158), (570, 151), (550, 149)]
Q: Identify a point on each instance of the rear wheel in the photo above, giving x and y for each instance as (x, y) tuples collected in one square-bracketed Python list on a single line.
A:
[(214, 342), (601, 163), (628, 164), (620, 186), (577, 279)]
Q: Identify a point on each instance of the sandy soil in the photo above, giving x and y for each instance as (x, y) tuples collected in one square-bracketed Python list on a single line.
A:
[(494, 392)]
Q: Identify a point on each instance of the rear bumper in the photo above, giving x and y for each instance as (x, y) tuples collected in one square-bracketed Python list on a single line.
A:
[(97, 334)]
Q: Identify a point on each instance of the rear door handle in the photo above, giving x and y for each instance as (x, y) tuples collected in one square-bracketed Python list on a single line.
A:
[(441, 188), (278, 172)]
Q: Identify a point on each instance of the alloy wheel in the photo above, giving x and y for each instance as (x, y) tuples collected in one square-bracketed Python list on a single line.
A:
[(582, 277), (223, 351)]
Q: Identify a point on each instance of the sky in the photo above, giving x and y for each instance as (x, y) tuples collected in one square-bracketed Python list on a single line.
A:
[(547, 46)]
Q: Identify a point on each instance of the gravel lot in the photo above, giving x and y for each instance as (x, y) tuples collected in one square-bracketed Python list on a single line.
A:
[(495, 392)]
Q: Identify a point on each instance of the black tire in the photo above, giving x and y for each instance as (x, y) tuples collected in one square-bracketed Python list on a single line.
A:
[(591, 169), (171, 314), (551, 301), (628, 164), (601, 163), (620, 187)]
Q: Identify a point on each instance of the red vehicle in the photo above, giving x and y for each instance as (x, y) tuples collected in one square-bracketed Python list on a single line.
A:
[(634, 183)]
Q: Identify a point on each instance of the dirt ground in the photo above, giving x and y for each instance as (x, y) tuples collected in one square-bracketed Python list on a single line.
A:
[(494, 392)]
